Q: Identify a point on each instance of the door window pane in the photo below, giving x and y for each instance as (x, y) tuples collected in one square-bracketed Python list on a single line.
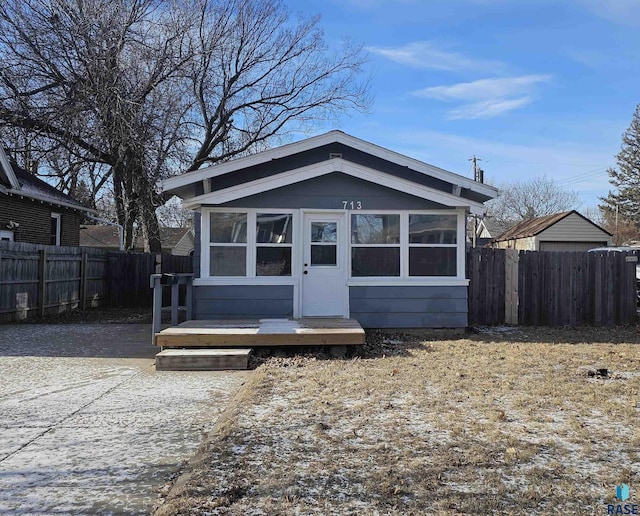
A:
[(375, 261), (273, 261), (324, 232), (432, 261), (375, 229), (274, 228), (324, 255), (433, 229), (228, 261), (228, 228)]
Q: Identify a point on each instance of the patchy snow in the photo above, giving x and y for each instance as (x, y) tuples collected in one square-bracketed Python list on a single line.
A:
[(84, 432)]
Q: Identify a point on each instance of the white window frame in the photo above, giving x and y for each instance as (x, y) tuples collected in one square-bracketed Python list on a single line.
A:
[(250, 277), (404, 279), (393, 246), (6, 235), (410, 245), (58, 218)]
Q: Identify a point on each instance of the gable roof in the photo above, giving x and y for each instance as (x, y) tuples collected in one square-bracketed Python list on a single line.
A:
[(17, 181), (535, 226), (107, 237), (451, 184), (491, 226)]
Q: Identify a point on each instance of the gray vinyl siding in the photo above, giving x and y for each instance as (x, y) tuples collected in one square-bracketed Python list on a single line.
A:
[(243, 301), (328, 192), (323, 153), (574, 228), (409, 307)]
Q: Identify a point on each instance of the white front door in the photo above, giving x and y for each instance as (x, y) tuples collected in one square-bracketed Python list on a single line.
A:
[(324, 280)]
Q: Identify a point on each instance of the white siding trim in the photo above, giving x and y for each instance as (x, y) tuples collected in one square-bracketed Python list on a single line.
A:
[(319, 141), (8, 170), (326, 167)]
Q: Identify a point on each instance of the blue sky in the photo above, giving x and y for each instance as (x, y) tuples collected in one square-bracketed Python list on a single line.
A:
[(531, 87)]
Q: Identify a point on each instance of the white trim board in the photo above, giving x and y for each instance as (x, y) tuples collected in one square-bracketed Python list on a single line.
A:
[(8, 170), (319, 141), (327, 167)]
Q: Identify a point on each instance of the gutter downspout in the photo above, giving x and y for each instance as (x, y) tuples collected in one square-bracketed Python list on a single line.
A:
[(109, 223)]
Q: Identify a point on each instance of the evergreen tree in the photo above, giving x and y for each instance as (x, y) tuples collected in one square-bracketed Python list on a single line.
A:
[(623, 204)]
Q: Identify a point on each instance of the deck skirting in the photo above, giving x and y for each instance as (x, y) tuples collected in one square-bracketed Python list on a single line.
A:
[(308, 331)]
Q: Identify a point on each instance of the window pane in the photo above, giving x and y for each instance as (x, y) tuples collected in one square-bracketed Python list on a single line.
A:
[(228, 261), (433, 229), (375, 261), (324, 231), (53, 239), (375, 229), (273, 228), (273, 261), (432, 261), (324, 255), (228, 228)]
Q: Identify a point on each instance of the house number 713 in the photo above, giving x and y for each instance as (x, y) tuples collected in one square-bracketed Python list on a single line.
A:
[(351, 205)]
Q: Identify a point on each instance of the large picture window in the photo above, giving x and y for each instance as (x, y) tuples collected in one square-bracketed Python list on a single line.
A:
[(433, 245), (375, 245), (228, 249), (250, 244), (273, 244)]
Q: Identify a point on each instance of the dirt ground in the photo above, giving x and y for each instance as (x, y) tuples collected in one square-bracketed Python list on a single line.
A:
[(498, 421)]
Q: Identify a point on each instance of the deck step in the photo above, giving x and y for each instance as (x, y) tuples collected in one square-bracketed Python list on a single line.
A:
[(308, 331), (202, 359)]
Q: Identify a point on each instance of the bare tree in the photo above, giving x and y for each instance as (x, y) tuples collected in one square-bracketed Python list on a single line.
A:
[(131, 91), (522, 200)]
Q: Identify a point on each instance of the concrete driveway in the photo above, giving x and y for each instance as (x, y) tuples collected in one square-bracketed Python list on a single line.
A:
[(86, 423)]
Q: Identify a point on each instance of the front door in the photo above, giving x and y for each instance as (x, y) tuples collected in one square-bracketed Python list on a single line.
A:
[(324, 284)]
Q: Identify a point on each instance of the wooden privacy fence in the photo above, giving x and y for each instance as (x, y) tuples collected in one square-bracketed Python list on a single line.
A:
[(37, 279), (549, 288)]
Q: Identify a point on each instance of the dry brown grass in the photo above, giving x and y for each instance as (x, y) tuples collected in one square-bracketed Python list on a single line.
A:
[(483, 423)]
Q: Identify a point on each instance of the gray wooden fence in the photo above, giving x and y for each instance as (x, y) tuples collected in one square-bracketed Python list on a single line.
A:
[(544, 288), (40, 280)]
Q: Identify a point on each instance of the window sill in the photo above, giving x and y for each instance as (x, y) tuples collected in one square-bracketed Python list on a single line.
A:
[(240, 280), (407, 282)]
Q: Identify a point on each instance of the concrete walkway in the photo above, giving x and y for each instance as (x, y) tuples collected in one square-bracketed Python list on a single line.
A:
[(87, 426)]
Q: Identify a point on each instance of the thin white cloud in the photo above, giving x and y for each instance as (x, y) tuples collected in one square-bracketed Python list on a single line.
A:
[(485, 98), (428, 55), (487, 108), (484, 88)]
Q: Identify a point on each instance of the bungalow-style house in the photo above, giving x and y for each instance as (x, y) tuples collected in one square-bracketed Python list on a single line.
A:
[(34, 211), (331, 226), (566, 231), (176, 241)]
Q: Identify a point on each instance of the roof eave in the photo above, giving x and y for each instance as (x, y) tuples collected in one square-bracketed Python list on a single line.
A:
[(174, 184), (49, 200)]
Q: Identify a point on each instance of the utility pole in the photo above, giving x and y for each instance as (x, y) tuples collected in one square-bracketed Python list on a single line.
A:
[(478, 174)]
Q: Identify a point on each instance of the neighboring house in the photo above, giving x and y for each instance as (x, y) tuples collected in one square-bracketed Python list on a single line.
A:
[(177, 241), (331, 226), (487, 230), (566, 231), (34, 211)]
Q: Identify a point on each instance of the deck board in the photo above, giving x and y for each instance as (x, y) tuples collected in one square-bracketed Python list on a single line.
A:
[(263, 332)]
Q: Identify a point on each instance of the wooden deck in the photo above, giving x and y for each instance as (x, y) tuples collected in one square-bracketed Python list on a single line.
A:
[(308, 331)]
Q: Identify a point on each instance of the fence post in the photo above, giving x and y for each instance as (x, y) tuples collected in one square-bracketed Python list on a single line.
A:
[(83, 281), (511, 286), (42, 282)]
